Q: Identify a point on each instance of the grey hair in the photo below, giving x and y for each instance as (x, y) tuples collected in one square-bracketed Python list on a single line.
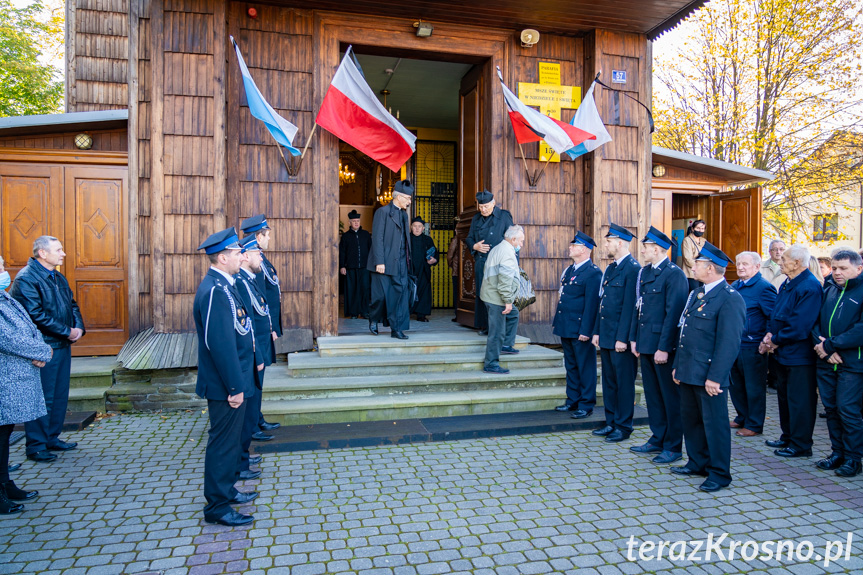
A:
[(838, 249), (754, 257), (848, 254), (774, 242), (799, 253), (43, 243), (513, 232)]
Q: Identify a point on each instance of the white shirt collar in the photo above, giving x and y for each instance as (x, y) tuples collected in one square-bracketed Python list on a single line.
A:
[(248, 273), (710, 286), (620, 261), (575, 266), (659, 263), (227, 275)]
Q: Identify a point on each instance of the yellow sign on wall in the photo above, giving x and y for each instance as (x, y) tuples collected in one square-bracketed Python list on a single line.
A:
[(551, 97)]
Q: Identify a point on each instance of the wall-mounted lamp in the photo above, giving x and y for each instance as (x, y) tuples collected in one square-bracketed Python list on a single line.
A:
[(529, 37), (658, 170), (424, 29), (83, 141)]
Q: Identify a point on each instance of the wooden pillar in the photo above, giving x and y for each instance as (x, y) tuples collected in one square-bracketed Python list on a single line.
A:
[(220, 165), (71, 66), (157, 167), (132, 184)]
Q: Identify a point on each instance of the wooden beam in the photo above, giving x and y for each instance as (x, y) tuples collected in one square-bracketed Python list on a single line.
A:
[(132, 296), (157, 167), (220, 173), (232, 128), (645, 164), (71, 75), (67, 156)]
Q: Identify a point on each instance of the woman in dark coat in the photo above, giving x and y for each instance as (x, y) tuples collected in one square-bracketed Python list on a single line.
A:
[(22, 353), (423, 256)]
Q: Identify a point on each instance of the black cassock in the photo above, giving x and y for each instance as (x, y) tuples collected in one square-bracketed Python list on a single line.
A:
[(353, 256), (420, 246)]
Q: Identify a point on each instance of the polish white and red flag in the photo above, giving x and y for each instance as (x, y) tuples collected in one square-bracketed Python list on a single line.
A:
[(353, 113), (530, 125)]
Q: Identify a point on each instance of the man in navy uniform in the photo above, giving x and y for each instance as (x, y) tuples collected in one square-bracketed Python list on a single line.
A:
[(354, 249), (389, 259), (611, 335), (226, 374), (661, 293), (710, 330), (573, 323), (256, 304), (486, 231), (838, 338), (268, 282)]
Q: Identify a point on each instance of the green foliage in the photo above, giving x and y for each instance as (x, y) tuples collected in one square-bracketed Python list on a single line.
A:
[(28, 86)]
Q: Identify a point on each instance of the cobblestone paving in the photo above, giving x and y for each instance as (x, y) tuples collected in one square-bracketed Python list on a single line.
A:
[(129, 501)]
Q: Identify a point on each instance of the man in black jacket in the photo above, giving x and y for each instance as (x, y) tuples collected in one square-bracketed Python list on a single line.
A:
[(354, 249), (389, 261), (838, 338), (45, 294)]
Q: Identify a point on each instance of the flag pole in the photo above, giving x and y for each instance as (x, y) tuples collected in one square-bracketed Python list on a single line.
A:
[(282, 154), (527, 173), (308, 141), (543, 170)]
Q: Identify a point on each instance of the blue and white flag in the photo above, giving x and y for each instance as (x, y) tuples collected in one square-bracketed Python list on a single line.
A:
[(587, 118), (282, 130)]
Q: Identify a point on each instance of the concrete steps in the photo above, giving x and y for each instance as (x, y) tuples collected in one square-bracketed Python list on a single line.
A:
[(91, 378), (419, 343)]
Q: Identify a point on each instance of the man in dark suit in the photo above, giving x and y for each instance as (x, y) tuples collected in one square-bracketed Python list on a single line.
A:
[(226, 375), (710, 330), (270, 286), (574, 322), (486, 231), (354, 247), (611, 336), (256, 304), (661, 293), (389, 260)]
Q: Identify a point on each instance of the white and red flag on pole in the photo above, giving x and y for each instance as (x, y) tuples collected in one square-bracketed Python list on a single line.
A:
[(353, 113), (532, 126)]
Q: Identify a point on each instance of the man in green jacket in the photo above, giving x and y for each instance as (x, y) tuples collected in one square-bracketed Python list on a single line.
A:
[(499, 288)]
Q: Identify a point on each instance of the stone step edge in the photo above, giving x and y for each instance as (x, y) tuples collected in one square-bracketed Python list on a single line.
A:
[(314, 361), (343, 342), (81, 393)]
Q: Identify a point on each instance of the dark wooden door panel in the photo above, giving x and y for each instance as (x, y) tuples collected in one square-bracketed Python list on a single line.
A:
[(736, 218)]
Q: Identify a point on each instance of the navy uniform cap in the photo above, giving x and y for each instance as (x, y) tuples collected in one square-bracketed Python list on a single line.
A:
[(484, 197), (403, 187), (712, 254), (254, 224), (224, 240), (583, 239), (619, 232), (654, 236), (250, 243), (354, 215)]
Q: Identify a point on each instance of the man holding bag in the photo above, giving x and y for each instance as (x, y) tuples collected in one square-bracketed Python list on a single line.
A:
[(499, 289)]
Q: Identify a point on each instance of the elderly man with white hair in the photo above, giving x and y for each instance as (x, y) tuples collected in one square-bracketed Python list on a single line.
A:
[(797, 308), (749, 373), (771, 270)]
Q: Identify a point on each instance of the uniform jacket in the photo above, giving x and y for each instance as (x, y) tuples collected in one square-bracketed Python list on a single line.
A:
[(617, 304), (841, 323), (226, 347), (390, 228), (579, 301), (760, 297), (710, 336), (798, 305), (500, 285), (21, 398), (490, 229), (256, 304), (354, 249), (49, 302), (662, 292), (270, 286)]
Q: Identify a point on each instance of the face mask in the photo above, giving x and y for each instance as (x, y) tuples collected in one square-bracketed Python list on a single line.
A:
[(517, 249), (697, 234), (5, 280)]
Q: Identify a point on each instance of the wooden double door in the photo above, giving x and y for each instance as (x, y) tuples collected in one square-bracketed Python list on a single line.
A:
[(84, 207)]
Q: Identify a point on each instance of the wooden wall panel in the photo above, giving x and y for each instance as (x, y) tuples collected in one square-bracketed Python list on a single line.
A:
[(104, 5), (188, 116), (276, 199), (188, 155), (189, 195), (102, 22), (545, 208), (188, 74), (297, 309), (276, 51), (188, 33), (294, 235), (178, 312), (103, 70), (253, 132), (183, 272), (184, 233), (276, 19), (98, 46), (295, 270), (546, 241), (265, 164), (196, 6), (95, 96), (103, 141)]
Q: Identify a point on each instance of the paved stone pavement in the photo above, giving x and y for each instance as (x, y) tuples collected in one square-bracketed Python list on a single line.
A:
[(129, 501)]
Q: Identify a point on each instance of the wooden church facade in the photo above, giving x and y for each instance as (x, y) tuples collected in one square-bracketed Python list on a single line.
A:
[(198, 162)]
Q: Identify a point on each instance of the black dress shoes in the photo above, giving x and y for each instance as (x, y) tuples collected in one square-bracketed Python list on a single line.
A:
[(834, 461), (776, 443), (15, 494), (231, 519), (373, 327), (267, 426), (508, 350), (482, 332), (398, 334), (249, 474), (667, 457), (496, 369), (43, 456), (793, 452), (565, 408), (710, 486), (603, 431), (646, 448), (63, 446), (255, 459), (15, 467), (7, 507), (261, 436), (687, 471), (581, 413), (850, 468), (616, 436), (241, 497)]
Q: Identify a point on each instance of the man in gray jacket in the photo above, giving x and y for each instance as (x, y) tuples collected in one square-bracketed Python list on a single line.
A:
[(499, 288)]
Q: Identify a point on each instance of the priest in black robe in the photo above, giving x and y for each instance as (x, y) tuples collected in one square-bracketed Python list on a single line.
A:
[(423, 256), (353, 257)]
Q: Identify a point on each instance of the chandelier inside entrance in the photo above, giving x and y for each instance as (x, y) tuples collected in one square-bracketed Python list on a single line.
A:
[(345, 175)]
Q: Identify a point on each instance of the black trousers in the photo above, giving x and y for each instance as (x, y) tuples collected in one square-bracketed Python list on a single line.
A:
[(618, 387), (749, 388), (5, 432), (706, 432), (480, 315), (795, 389), (357, 292), (579, 358), (663, 403), (222, 457), (842, 395), (390, 299), (251, 421), (45, 431)]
